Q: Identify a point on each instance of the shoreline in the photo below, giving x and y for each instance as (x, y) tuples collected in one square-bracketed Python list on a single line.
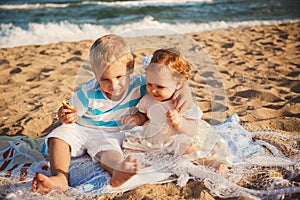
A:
[(259, 69), (91, 32)]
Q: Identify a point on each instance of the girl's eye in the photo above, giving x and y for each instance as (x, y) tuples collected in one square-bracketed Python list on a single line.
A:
[(160, 87), (149, 84)]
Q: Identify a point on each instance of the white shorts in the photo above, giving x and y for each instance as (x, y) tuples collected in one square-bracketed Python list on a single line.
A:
[(87, 140)]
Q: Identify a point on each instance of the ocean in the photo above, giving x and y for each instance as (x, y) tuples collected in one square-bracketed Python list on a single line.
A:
[(50, 21)]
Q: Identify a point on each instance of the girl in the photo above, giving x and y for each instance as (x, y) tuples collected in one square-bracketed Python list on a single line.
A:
[(165, 128)]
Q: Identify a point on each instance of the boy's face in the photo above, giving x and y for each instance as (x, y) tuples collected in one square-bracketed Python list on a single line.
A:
[(161, 86), (115, 79)]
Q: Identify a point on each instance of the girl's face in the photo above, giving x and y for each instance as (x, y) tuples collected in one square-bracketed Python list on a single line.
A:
[(115, 80), (161, 86)]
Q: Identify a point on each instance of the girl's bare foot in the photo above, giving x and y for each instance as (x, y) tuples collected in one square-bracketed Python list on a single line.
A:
[(222, 169), (128, 168), (44, 184)]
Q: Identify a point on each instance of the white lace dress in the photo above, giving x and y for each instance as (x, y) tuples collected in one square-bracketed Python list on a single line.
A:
[(158, 135)]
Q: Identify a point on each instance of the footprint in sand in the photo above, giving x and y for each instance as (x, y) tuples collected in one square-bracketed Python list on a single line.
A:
[(16, 71), (296, 88), (23, 64), (262, 95)]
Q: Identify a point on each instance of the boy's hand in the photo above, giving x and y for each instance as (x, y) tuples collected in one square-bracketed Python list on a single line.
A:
[(175, 118), (183, 98), (129, 120), (67, 115)]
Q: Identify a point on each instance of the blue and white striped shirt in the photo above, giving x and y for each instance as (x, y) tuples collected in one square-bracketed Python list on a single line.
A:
[(95, 110)]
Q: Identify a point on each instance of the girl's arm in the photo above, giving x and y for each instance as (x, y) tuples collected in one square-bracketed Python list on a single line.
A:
[(137, 119), (181, 124)]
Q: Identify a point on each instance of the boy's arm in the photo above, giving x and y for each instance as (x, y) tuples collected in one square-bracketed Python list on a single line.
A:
[(183, 98)]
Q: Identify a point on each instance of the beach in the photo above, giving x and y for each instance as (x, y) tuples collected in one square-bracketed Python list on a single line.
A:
[(254, 72)]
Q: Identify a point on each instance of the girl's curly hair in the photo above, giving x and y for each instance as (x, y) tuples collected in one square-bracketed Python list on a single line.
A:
[(173, 59)]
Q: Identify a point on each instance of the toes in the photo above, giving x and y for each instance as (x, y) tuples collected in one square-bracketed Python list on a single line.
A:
[(129, 158), (34, 184)]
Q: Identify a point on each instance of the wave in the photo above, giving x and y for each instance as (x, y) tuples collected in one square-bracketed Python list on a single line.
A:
[(12, 36), (28, 6), (147, 2)]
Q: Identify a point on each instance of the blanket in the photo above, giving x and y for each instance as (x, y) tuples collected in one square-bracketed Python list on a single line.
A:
[(272, 174), (22, 157)]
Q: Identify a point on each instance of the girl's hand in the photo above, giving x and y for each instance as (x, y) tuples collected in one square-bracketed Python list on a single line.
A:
[(175, 118), (129, 120), (67, 116)]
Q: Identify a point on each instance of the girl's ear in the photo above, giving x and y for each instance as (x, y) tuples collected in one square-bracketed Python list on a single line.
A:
[(179, 84)]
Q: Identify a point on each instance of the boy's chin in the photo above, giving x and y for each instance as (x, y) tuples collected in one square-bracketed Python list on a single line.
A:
[(116, 96)]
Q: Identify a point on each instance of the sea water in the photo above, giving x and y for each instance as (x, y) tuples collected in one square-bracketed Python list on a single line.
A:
[(49, 21)]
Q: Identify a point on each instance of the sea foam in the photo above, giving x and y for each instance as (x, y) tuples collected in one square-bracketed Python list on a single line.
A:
[(36, 33), (31, 6)]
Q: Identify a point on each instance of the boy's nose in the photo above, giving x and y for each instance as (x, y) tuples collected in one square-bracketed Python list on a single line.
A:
[(114, 83)]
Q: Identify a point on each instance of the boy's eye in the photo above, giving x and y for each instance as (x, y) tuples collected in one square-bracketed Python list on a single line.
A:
[(160, 87), (149, 84)]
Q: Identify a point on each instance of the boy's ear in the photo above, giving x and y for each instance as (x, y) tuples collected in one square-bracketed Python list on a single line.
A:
[(130, 66)]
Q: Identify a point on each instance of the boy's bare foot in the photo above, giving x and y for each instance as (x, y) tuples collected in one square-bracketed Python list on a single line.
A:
[(44, 184), (128, 168)]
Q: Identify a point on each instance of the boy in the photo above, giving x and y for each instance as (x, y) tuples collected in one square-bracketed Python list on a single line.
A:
[(98, 106)]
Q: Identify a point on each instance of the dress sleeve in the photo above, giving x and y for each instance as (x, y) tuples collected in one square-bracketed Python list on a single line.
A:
[(142, 106)]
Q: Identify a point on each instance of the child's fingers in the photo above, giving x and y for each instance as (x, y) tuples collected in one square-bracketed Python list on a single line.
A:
[(174, 117), (73, 118), (179, 102), (122, 119), (172, 114), (182, 105), (69, 118), (128, 120), (131, 121), (67, 111)]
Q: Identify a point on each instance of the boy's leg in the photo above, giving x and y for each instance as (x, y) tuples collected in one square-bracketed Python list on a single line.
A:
[(120, 169), (60, 158)]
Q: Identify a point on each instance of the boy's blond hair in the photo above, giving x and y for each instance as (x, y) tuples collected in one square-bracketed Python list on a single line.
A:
[(173, 59), (107, 49)]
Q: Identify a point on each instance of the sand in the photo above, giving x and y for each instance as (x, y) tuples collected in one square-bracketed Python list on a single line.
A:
[(253, 72)]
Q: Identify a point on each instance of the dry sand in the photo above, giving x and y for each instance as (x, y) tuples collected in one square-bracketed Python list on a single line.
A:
[(255, 73)]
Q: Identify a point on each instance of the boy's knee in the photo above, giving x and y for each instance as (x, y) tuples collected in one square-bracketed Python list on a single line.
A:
[(53, 141)]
